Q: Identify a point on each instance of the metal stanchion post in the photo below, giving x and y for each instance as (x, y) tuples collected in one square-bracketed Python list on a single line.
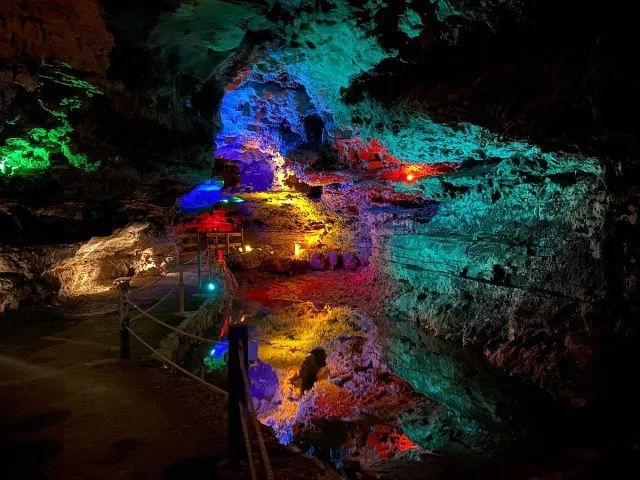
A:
[(181, 287), (199, 270), (125, 343), (238, 335)]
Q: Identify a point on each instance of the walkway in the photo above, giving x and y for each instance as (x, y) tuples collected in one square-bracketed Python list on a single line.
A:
[(69, 409)]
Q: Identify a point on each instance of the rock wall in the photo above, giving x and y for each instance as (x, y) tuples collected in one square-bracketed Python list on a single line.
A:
[(24, 274), (137, 249), (69, 31), (511, 263)]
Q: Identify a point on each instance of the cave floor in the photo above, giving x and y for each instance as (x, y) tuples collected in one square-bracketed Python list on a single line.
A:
[(70, 409)]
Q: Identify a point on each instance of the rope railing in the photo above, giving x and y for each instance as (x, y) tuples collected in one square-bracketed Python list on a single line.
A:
[(171, 327), (242, 414), (247, 442), (175, 365), (254, 418), (146, 312)]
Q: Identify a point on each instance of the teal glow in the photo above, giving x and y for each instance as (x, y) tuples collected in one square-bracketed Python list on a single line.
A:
[(410, 23), (199, 31)]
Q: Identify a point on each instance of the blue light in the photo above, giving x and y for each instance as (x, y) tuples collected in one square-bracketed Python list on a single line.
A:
[(203, 196), (219, 350), (211, 286)]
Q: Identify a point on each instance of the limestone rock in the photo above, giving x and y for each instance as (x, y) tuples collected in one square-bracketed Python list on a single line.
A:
[(318, 261), (70, 31), (132, 250), (23, 274), (350, 261), (334, 259), (276, 265)]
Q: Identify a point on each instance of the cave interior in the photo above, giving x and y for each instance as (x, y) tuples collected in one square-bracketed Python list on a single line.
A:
[(423, 215)]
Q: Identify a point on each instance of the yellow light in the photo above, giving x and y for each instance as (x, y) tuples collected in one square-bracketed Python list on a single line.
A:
[(296, 249), (242, 319), (409, 177), (247, 248)]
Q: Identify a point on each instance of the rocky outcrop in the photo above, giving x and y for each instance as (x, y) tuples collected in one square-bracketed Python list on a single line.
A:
[(510, 263), (24, 277), (69, 31), (137, 249)]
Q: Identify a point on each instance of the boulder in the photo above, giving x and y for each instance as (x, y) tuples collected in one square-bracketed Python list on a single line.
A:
[(23, 274), (334, 259), (318, 262), (276, 265), (350, 261), (136, 249), (299, 266)]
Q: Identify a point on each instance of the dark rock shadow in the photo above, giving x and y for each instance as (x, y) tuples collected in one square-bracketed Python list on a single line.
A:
[(202, 467), (42, 421), (29, 457)]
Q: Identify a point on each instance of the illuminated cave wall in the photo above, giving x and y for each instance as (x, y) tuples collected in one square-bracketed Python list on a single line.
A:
[(38, 148), (509, 257)]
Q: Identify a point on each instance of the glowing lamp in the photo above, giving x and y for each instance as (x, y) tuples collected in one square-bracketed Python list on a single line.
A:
[(296, 249), (211, 287), (247, 248), (409, 177)]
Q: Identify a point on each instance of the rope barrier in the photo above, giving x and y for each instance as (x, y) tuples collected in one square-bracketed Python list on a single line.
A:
[(254, 420), (141, 289), (247, 442), (176, 366), (189, 261), (146, 312), (231, 285), (171, 327)]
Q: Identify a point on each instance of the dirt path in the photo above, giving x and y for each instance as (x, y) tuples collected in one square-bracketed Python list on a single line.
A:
[(70, 409)]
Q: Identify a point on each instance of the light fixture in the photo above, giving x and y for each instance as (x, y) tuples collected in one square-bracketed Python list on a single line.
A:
[(296, 249), (211, 286), (247, 248), (409, 177)]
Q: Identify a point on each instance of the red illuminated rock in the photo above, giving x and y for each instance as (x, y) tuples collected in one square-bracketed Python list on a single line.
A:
[(69, 31)]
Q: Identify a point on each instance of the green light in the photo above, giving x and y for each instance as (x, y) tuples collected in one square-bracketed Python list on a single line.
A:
[(31, 153)]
